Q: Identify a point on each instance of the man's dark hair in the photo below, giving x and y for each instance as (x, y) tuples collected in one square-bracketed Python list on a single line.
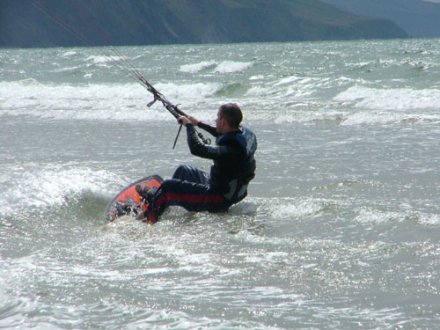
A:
[(232, 114)]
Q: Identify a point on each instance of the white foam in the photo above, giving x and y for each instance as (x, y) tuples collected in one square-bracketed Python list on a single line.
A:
[(428, 219), (96, 101), (287, 80), (396, 99), (101, 59), (222, 67), (405, 213), (52, 185), (298, 208), (388, 106), (231, 66), (373, 216), (357, 105), (197, 67), (69, 53), (292, 89), (188, 92)]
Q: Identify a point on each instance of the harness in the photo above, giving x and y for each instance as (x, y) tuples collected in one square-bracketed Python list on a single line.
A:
[(237, 187)]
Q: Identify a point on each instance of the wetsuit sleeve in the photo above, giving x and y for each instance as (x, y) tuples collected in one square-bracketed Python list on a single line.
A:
[(197, 148), (210, 129)]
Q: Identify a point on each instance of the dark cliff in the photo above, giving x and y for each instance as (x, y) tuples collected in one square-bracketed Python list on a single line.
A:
[(47, 23)]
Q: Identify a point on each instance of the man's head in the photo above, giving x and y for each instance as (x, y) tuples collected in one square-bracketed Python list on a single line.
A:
[(229, 117)]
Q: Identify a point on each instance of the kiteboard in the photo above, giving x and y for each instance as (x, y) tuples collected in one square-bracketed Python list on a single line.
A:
[(128, 201)]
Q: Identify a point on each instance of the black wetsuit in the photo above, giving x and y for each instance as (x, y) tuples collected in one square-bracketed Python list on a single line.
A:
[(226, 184)]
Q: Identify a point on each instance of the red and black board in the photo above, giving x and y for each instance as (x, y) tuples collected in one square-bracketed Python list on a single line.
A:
[(128, 201)]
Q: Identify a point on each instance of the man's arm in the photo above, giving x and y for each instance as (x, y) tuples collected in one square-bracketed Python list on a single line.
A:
[(197, 148), (210, 129)]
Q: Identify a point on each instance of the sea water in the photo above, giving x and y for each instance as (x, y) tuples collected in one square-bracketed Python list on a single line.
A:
[(341, 226)]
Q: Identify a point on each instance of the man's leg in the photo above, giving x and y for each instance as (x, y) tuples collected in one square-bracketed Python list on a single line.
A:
[(189, 195), (192, 174)]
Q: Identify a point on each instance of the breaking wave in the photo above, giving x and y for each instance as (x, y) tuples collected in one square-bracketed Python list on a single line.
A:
[(216, 67)]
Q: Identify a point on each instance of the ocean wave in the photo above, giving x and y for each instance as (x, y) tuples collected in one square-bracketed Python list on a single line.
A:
[(368, 215), (231, 66), (387, 118), (291, 99), (216, 67), (299, 209), (69, 53), (396, 99), (103, 59), (369, 106), (197, 67), (40, 188), (295, 88), (232, 90), (373, 216), (96, 101), (188, 92)]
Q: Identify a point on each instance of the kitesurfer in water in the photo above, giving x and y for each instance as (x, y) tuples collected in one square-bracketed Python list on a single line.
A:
[(226, 184)]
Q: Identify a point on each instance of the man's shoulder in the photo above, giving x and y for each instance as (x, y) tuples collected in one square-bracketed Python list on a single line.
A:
[(243, 139)]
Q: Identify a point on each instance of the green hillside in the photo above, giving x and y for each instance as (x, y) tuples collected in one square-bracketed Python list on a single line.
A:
[(140, 22)]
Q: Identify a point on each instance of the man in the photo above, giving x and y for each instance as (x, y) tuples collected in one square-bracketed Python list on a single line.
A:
[(226, 184)]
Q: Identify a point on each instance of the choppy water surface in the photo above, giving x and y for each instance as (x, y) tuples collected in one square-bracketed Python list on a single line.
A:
[(341, 226)]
